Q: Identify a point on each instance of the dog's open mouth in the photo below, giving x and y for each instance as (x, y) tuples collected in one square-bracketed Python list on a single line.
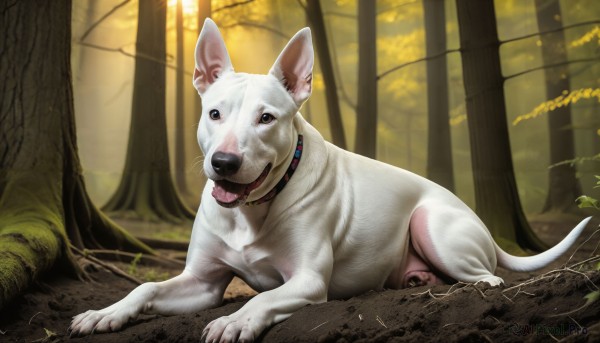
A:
[(230, 194)]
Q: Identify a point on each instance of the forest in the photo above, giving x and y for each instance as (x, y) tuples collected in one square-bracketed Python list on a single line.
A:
[(101, 174)]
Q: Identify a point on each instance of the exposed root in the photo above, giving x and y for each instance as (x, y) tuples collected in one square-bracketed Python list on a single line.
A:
[(450, 292), (165, 244), (118, 255), (526, 283), (107, 266), (553, 273), (589, 260), (479, 290)]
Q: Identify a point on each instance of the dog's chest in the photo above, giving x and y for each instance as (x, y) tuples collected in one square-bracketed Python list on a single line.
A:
[(254, 265), (253, 258)]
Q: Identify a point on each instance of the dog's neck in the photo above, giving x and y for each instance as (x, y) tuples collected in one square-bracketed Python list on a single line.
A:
[(286, 176)]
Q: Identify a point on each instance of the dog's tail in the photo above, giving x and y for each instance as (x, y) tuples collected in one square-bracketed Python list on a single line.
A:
[(530, 263)]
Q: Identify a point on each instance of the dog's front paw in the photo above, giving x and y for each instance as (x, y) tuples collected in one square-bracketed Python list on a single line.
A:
[(231, 329), (98, 321)]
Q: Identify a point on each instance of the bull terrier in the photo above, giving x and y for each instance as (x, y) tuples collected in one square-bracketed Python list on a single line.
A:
[(299, 219)]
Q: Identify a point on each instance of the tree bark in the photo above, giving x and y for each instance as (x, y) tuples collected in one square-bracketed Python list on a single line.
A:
[(366, 106), (180, 136), (496, 197), (563, 186), (44, 206), (146, 189), (439, 152), (315, 16)]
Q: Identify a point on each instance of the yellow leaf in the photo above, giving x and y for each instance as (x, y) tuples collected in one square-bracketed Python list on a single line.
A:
[(587, 37)]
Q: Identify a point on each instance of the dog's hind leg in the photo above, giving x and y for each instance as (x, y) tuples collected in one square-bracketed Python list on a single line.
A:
[(417, 272), (454, 243)]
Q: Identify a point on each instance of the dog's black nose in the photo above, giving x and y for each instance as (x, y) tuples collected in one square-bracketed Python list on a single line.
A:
[(225, 164)]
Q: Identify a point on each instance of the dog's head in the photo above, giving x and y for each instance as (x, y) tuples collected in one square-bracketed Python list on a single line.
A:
[(246, 131)]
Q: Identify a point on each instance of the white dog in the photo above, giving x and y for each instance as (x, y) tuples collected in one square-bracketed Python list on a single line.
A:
[(299, 219)]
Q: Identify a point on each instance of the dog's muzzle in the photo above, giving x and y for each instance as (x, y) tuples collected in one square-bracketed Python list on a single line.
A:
[(230, 194)]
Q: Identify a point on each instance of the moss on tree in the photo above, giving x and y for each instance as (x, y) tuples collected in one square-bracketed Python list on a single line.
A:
[(44, 207)]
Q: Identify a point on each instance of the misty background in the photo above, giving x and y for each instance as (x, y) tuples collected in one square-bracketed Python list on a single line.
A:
[(256, 31)]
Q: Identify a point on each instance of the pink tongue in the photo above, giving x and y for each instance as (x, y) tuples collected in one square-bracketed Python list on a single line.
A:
[(228, 192)]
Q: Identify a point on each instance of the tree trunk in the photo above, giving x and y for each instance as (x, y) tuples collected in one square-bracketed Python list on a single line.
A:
[(366, 106), (496, 197), (146, 189), (44, 206), (315, 16), (439, 152), (563, 187), (180, 136)]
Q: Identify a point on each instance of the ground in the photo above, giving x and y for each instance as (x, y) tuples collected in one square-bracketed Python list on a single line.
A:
[(535, 307)]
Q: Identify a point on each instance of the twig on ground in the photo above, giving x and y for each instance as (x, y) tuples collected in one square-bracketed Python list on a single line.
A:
[(30, 319), (496, 319), (507, 298), (590, 282), (580, 245), (528, 282), (451, 291), (551, 273), (318, 326), (519, 291), (449, 324), (574, 321), (380, 321)]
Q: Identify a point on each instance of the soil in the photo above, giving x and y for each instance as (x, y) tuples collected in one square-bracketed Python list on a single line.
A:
[(536, 307)]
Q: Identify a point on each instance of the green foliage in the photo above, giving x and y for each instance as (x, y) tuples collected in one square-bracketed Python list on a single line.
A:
[(153, 275), (145, 274), (133, 265), (585, 201), (591, 297)]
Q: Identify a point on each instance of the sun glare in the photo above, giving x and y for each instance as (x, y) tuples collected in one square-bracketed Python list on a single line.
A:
[(189, 6)]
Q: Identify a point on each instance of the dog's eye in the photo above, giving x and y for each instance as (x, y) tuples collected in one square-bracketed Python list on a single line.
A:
[(214, 115), (266, 118)]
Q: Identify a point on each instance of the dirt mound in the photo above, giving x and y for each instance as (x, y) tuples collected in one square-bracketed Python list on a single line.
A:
[(549, 307)]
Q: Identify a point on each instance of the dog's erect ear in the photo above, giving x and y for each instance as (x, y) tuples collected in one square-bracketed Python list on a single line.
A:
[(294, 66), (212, 58)]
